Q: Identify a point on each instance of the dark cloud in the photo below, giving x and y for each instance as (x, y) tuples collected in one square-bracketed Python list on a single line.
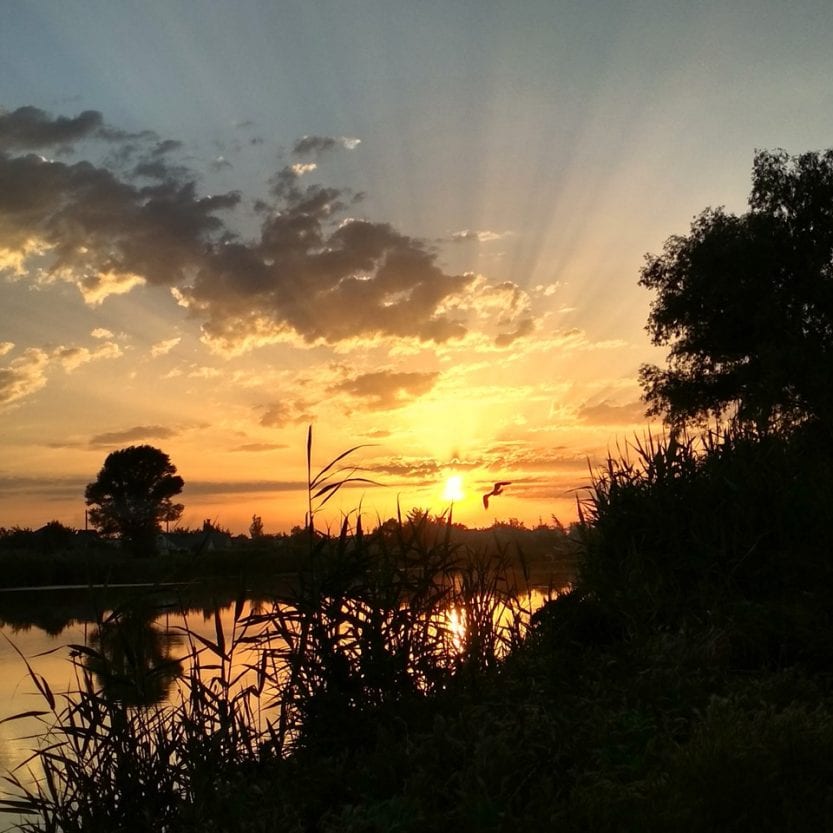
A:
[(387, 389), (316, 145), (97, 226), (140, 432), (309, 274), (49, 488), (152, 169), (324, 281), (154, 162), (29, 127)]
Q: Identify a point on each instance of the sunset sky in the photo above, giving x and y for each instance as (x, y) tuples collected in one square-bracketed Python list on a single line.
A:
[(413, 225)]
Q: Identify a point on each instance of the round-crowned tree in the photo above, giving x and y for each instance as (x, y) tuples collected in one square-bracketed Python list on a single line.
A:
[(132, 495), (745, 304)]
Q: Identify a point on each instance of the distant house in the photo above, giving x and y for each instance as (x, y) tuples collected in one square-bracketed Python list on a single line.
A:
[(208, 539)]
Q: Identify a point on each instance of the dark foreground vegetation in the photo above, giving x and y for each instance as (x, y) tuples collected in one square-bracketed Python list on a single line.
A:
[(684, 683)]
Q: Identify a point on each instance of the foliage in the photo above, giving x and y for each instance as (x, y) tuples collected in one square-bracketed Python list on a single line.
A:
[(745, 303), (694, 523), (132, 495), (256, 527), (53, 537)]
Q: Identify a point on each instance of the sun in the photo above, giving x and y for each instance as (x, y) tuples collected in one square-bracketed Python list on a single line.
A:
[(453, 488)]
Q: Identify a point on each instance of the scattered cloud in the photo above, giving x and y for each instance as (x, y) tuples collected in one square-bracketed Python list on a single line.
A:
[(205, 372), (483, 236), (423, 469), (606, 413), (6, 347), (388, 389), (497, 314), (316, 145), (131, 435), (101, 332), (162, 348), (95, 288), (549, 289), (534, 458), (71, 358), (281, 414), (301, 168), (255, 447), (23, 376)]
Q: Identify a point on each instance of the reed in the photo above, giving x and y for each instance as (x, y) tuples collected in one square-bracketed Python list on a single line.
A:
[(370, 622), (677, 526), (403, 683)]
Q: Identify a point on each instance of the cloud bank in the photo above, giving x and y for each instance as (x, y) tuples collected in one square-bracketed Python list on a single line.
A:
[(131, 215)]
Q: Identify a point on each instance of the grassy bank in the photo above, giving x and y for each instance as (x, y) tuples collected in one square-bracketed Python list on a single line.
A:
[(683, 684)]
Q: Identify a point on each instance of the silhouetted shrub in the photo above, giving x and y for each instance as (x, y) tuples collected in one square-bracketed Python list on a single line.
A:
[(695, 522)]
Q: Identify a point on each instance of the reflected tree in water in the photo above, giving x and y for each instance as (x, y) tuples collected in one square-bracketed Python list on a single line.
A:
[(133, 658)]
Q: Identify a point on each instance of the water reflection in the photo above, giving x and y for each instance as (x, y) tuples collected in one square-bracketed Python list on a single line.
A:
[(132, 657)]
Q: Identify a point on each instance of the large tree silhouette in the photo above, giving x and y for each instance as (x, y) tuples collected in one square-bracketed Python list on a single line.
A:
[(132, 494), (746, 304)]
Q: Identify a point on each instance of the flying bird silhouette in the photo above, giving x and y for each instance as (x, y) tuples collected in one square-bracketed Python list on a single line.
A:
[(497, 490)]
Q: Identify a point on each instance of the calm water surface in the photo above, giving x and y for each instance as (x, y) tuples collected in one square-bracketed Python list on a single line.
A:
[(43, 624)]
